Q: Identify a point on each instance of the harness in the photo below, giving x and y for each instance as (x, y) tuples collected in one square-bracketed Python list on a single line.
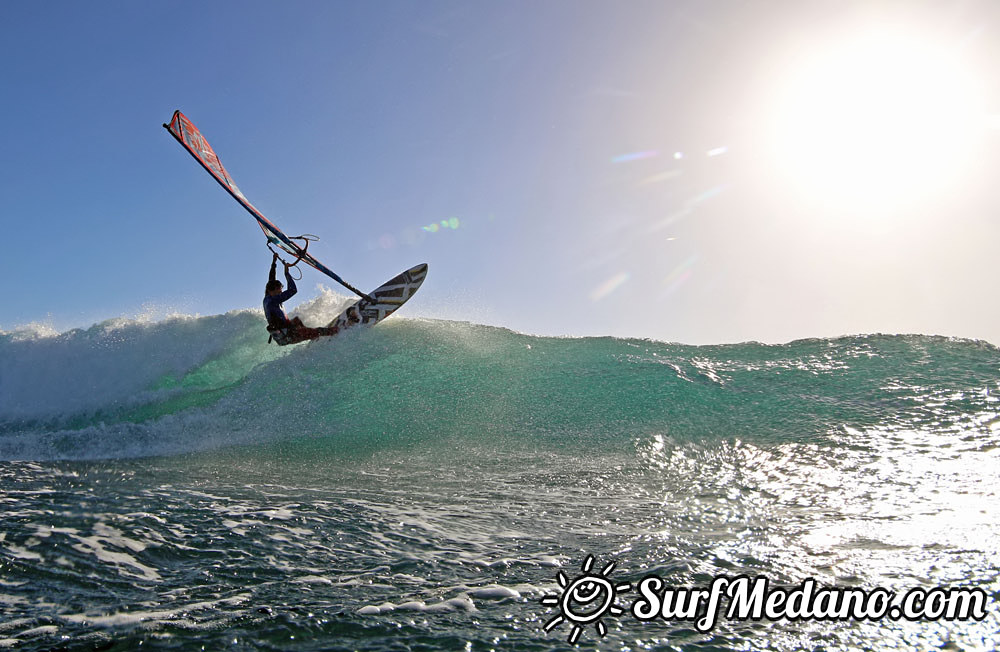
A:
[(279, 335)]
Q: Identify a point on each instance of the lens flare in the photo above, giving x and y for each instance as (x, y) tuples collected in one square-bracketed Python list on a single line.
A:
[(635, 156), (609, 286), (687, 208), (679, 276), (451, 223), (660, 178)]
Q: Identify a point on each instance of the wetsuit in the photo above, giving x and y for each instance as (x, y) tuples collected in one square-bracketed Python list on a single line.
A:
[(272, 303), (284, 330)]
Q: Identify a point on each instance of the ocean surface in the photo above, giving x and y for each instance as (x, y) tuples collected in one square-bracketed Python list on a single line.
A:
[(179, 484)]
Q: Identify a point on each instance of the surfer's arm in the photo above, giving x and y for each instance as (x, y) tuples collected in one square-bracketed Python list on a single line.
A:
[(290, 283), (274, 269)]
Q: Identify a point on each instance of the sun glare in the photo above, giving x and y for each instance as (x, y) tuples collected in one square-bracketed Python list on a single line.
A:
[(877, 121)]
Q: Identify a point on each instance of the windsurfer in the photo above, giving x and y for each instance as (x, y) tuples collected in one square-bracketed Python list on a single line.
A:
[(285, 330)]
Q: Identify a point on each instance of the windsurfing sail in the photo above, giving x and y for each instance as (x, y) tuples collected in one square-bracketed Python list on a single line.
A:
[(187, 134)]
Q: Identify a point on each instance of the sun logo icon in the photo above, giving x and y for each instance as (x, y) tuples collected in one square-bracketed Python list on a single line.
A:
[(585, 600)]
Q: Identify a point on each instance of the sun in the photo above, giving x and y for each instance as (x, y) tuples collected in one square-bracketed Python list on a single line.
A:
[(875, 120), (585, 600)]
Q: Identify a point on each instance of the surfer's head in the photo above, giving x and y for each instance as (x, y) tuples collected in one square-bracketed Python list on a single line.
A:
[(273, 287)]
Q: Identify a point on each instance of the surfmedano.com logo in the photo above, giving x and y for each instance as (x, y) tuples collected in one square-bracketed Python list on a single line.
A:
[(590, 596)]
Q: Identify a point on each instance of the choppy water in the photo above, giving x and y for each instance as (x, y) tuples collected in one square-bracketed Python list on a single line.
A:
[(419, 486)]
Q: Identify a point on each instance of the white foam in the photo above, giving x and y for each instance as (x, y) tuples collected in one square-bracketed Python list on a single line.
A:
[(42, 630), (445, 606), (45, 531), (135, 617), (237, 528), (124, 563), (280, 513), (494, 591), (314, 579), (15, 623), (22, 553)]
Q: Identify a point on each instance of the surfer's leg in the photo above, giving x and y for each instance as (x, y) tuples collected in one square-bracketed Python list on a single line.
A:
[(307, 333), (293, 335)]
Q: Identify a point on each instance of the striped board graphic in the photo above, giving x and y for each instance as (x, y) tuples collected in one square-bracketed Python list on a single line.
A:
[(388, 297)]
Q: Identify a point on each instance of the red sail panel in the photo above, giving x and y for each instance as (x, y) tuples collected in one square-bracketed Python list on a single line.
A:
[(188, 135)]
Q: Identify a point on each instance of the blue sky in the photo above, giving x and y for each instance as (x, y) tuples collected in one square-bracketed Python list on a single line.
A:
[(683, 171)]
